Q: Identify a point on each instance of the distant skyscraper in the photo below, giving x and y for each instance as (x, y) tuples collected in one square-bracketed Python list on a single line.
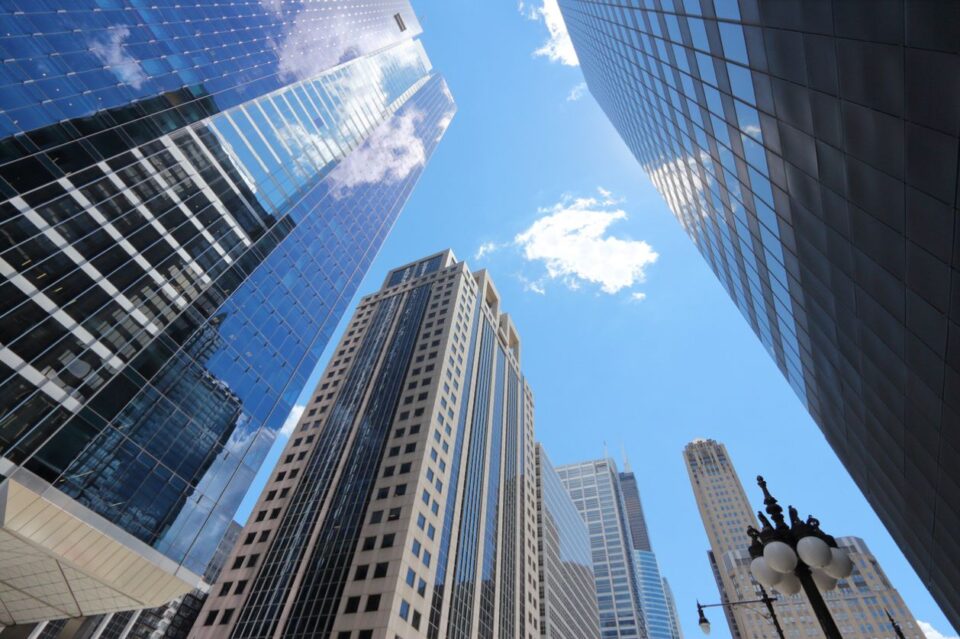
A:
[(810, 149), (568, 595), (595, 489), (857, 604), (190, 194), (659, 616), (672, 607), (404, 504)]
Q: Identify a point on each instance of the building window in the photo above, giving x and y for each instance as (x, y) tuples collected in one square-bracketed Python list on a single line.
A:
[(227, 616), (353, 605), (211, 617), (373, 603), (380, 570)]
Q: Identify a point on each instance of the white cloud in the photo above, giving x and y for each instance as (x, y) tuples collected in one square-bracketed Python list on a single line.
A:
[(577, 92), (486, 249), (572, 241), (389, 154), (932, 633), (295, 414), (534, 286), (111, 53), (558, 47), (638, 297)]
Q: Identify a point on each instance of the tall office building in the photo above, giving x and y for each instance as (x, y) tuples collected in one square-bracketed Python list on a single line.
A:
[(594, 487), (191, 193), (809, 149), (568, 595), (858, 602), (659, 612), (672, 607), (404, 504)]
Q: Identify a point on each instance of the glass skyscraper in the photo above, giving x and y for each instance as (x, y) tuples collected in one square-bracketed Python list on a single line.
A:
[(809, 149), (595, 489), (191, 193), (404, 504), (659, 614), (568, 595)]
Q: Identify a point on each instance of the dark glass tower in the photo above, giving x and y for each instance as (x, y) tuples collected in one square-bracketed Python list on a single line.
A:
[(191, 193), (809, 149)]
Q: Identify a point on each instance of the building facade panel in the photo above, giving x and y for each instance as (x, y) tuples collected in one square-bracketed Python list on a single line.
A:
[(796, 144)]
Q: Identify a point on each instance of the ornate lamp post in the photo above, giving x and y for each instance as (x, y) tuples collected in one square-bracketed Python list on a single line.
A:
[(704, 623), (797, 556)]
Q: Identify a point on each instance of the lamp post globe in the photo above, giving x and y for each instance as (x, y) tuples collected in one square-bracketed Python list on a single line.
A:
[(814, 551), (765, 575), (780, 557), (840, 566)]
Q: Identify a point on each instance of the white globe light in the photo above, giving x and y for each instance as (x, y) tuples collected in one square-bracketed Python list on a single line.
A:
[(705, 627), (840, 566), (789, 585), (764, 575), (814, 551), (824, 581), (780, 557)]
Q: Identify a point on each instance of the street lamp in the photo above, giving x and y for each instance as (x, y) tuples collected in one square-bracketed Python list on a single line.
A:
[(798, 556), (704, 623)]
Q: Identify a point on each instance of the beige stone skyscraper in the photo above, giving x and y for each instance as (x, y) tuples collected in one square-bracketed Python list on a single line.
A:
[(404, 504), (858, 602)]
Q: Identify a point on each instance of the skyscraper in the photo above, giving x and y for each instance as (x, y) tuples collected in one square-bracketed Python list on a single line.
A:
[(659, 614), (809, 149), (595, 489), (568, 595), (858, 602), (404, 504), (191, 195)]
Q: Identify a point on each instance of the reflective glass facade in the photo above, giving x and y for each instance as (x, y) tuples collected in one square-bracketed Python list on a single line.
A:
[(809, 149), (191, 195), (403, 504), (594, 487), (568, 595)]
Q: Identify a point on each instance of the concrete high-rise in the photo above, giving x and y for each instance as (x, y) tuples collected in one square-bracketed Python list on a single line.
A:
[(810, 151), (189, 196), (568, 595), (858, 602), (594, 486), (404, 504), (659, 610)]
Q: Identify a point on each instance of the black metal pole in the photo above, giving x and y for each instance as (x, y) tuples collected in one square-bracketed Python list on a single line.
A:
[(817, 602), (893, 622), (773, 613)]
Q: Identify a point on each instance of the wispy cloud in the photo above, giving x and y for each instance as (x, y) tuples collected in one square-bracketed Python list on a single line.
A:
[(638, 297), (110, 51), (486, 249), (932, 633), (558, 47), (391, 152), (577, 92), (572, 241)]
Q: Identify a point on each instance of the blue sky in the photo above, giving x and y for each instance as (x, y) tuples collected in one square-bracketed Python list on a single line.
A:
[(627, 337)]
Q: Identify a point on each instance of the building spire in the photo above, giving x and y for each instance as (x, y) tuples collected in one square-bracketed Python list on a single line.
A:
[(626, 461)]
